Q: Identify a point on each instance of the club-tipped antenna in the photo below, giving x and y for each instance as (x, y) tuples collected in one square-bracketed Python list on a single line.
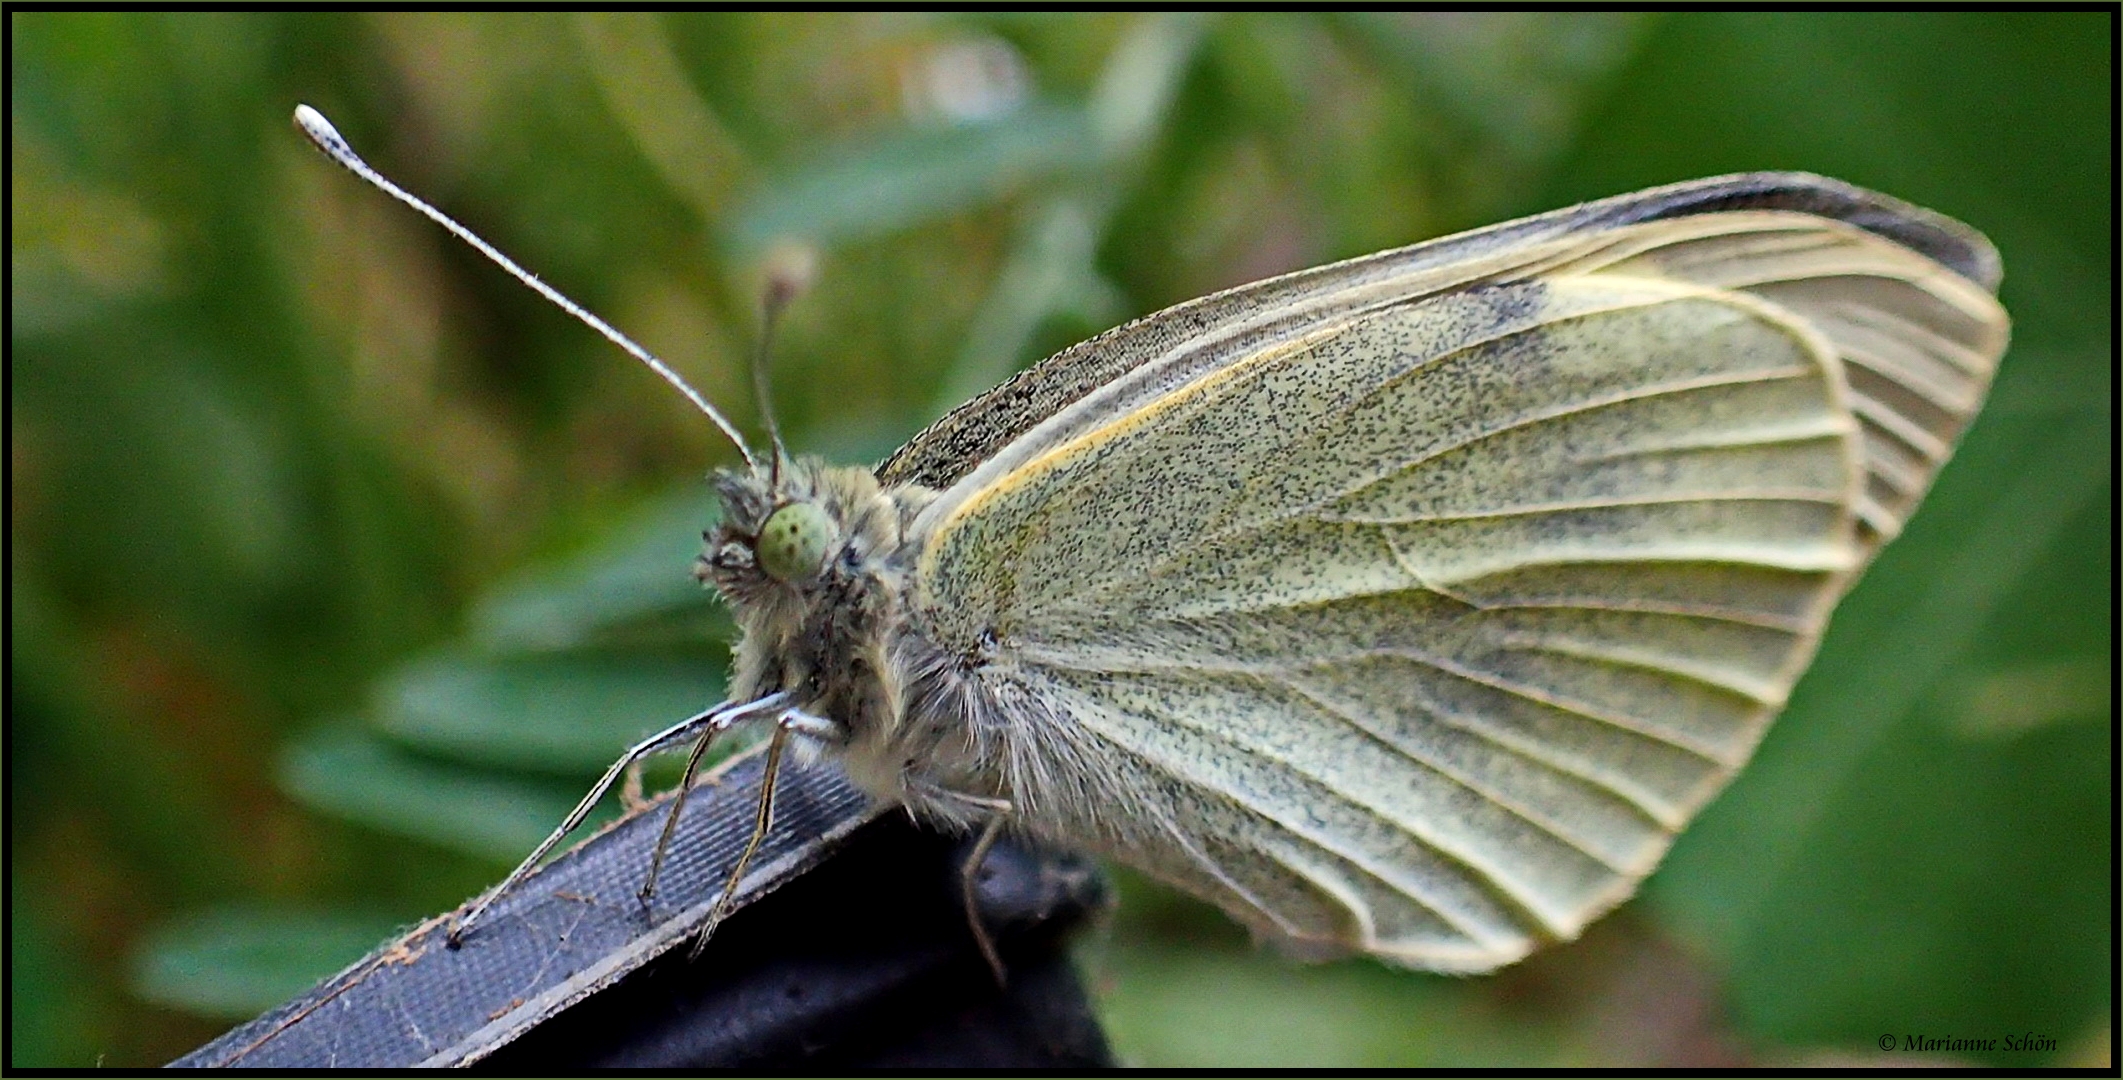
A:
[(334, 145), (789, 272)]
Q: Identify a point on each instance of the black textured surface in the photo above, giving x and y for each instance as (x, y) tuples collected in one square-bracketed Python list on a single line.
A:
[(864, 958), (865, 962)]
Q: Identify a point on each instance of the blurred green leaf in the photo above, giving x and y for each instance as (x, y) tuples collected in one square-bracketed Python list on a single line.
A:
[(566, 714), (1050, 272), (356, 776), (1517, 81), (236, 961), (1133, 99), (897, 179), (640, 570), (54, 1002), (1173, 1007)]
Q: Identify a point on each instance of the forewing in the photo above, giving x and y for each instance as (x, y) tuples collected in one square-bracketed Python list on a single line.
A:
[(1419, 621), (1212, 329)]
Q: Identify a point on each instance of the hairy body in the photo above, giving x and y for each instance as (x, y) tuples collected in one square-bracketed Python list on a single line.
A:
[(936, 725)]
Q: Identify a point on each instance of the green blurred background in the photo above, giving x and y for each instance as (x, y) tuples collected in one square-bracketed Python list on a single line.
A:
[(340, 563)]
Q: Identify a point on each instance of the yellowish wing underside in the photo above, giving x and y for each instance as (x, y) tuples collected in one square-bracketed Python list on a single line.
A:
[(1918, 342), (1421, 629)]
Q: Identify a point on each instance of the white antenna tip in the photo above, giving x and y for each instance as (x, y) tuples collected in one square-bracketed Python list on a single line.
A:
[(314, 125), (320, 131)]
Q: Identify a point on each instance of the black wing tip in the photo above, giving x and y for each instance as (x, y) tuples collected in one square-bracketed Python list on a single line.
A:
[(1934, 235)]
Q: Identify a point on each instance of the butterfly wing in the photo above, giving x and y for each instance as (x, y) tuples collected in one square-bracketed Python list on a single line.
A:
[(1919, 378), (1412, 605)]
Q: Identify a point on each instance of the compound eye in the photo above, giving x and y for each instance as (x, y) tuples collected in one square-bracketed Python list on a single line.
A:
[(792, 544)]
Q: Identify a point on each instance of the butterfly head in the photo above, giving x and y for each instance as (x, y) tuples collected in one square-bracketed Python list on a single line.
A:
[(784, 535)]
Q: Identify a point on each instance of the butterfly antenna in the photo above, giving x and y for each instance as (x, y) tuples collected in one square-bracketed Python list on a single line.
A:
[(789, 273), (334, 145)]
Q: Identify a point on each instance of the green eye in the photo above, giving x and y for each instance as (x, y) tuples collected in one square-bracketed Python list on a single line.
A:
[(793, 542)]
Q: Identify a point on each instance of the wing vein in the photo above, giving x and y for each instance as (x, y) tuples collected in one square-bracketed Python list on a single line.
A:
[(1458, 776), (1137, 663), (1090, 595), (1370, 867)]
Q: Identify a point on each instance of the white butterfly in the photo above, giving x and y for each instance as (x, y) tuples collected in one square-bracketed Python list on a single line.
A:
[(1409, 605)]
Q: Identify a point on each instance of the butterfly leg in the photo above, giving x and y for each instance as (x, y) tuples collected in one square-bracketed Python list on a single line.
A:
[(670, 821), (791, 721), (969, 879), (685, 782), (700, 725)]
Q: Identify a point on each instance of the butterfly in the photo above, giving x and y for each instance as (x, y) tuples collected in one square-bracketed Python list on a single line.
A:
[(1408, 606)]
